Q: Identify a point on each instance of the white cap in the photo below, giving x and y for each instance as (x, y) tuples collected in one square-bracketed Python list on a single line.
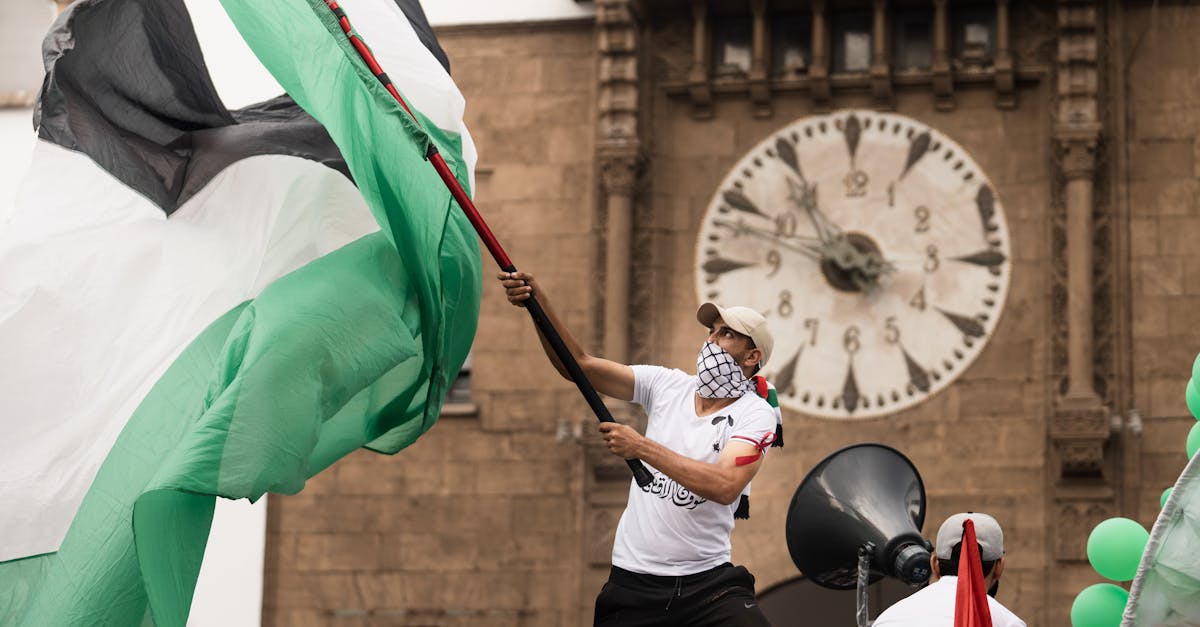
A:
[(744, 320), (987, 533)]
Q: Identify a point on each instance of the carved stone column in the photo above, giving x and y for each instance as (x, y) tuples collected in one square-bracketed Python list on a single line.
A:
[(618, 176), (1081, 423), (1006, 97), (699, 89), (943, 82), (760, 88), (619, 161), (1080, 426), (818, 71), (881, 67), (618, 157)]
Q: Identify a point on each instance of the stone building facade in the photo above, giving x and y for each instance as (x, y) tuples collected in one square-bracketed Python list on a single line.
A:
[(602, 142)]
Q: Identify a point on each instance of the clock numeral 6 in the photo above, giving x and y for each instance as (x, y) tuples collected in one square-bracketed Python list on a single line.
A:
[(931, 258), (922, 214), (850, 340), (785, 304), (812, 324), (891, 332)]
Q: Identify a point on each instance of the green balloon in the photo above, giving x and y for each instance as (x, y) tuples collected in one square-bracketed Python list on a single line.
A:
[(1193, 440), (1162, 500), (1115, 547), (1192, 395), (1099, 605)]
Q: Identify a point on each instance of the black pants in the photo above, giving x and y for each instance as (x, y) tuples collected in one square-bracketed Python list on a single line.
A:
[(721, 597)]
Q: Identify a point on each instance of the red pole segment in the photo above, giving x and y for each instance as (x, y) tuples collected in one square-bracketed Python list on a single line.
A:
[(640, 473)]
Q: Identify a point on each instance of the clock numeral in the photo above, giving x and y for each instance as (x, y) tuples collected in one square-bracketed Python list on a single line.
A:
[(850, 340), (785, 304), (811, 324), (785, 224), (918, 301), (922, 214), (856, 183), (891, 332), (931, 258), (775, 260)]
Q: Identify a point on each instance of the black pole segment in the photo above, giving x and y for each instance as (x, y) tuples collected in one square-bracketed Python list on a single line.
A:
[(542, 321)]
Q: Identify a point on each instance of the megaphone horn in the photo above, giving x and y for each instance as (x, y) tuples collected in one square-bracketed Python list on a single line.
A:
[(865, 493)]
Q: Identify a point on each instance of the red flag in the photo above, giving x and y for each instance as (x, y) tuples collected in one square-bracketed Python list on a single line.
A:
[(970, 603)]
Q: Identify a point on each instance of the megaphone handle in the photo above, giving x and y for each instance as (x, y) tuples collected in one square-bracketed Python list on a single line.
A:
[(864, 579)]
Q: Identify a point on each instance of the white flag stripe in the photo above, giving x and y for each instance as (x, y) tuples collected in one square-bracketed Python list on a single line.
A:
[(93, 273), (415, 72), (127, 291)]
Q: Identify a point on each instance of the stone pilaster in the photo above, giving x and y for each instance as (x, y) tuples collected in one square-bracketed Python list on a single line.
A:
[(1080, 461), (1080, 425), (619, 161)]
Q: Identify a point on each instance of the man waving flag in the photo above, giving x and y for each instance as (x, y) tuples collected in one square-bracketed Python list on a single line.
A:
[(197, 302)]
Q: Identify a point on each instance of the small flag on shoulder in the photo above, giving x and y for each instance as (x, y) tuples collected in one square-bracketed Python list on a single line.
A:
[(971, 600)]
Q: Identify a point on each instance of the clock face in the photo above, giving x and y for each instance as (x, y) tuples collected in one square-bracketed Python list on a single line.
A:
[(876, 248)]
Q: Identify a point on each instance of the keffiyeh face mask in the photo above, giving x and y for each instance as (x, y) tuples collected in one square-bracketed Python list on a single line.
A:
[(719, 374)]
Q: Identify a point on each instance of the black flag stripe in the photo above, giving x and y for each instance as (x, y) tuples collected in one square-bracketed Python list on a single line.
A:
[(146, 110)]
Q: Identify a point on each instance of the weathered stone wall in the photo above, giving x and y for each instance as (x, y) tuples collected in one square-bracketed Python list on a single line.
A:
[(482, 521), (1162, 183), (979, 445)]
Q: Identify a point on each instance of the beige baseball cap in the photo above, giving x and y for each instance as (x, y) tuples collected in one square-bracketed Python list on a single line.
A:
[(744, 320), (987, 533)]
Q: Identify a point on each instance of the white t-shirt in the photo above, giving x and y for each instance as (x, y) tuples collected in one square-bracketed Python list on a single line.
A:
[(666, 529), (933, 606)]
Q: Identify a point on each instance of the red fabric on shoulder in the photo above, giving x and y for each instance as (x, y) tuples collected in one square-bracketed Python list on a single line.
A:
[(760, 386)]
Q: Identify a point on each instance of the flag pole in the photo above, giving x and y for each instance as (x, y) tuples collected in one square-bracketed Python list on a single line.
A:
[(540, 319)]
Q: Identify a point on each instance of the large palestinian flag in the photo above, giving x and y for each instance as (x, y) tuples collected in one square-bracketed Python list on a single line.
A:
[(197, 302)]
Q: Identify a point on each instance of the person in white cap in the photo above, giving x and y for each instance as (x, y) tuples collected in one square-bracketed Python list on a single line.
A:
[(706, 436), (933, 605)]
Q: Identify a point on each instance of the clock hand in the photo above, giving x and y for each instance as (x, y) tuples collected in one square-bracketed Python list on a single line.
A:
[(864, 267), (805, 196), (807, 246), (741, 228)]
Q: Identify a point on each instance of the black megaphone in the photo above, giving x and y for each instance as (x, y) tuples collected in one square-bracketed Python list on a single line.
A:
[(865, 493)]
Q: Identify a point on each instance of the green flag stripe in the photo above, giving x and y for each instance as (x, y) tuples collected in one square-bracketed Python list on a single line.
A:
[(354, 349)]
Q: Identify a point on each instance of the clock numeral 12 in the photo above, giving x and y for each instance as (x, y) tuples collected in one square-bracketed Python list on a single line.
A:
[(856, 183)]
